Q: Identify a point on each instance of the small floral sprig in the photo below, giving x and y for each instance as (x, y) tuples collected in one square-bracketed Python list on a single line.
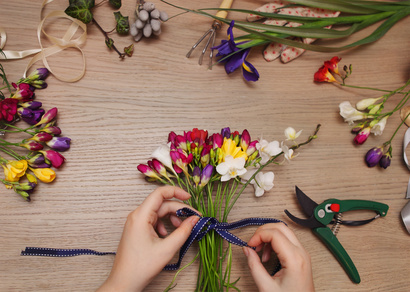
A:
[(367, 116), (82, 10), (22, 171), (216, 169)]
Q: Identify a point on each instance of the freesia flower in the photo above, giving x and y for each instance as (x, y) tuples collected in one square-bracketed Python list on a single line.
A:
[(31, 145), (235, 57), (365, 103), (373, 156), (59, 143), (231, 167), (268, 149), (48, 116), (162, 154), (39, 74), (54, 157), (385, 160), (206, 175), (378, 128), (229, 148), (8, 108), (53, 130), (24, 92), (38, 161), (349, 113), (46, 175), (15, 169), (291, 134), (323, 75), (42, 137), (181, 160), (362, 136), (332, 64), (30, 116), (147, 171), (31, 104)]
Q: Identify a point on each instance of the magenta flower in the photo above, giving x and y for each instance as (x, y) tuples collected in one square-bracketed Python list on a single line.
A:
[(245, 140), (216, 140), (8, 108), (373, 156), (181, 160), (42, 137), (251, 148), (32, 145), (205, 154), (362, 136), (59, 143), (48, 116), (159, 167), (24, 92), (147, 171), (53, 130), (54, 157)]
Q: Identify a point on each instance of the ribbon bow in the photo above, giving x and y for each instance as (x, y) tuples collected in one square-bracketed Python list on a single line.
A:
[(206, 224)]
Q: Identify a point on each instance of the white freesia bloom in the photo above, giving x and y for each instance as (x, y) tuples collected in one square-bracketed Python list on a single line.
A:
[(291, 134), (267, 149), (349, 113), (250, 171), (288, 153), (163, 156), (379, 127), (231, 168), (365, 103), (264, 182)]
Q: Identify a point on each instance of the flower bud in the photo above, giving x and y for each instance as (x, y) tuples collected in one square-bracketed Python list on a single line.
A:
[(251, 148), (31, 117), (31, 145), (39, 73), (38, 161), (42, 137), (205, 155), (171, 137), (48, 116), (23, 92), (373, 156), (245, 140), (196, 175), (206, 175), (362, 136), (226, 132), (235, 137), (40, 84), (159, 167), (147, 171), (31, 104), (59, 143), (46, 175), (385, 160), (365, 103), (54, 157)]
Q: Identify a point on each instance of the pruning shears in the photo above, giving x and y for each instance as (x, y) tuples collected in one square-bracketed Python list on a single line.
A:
[(330, 211)]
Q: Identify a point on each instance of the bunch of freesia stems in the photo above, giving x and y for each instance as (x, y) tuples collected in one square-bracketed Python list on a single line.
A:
[(32, 157), (215, 169), (368, 115)]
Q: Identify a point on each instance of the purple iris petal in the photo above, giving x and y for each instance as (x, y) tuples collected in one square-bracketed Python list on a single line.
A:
[(234, 62), (249, 72)]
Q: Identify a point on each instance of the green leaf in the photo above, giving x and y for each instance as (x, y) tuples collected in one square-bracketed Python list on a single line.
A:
[(81, 9), (129, 50), (115, 3), (109, 42), (123, 26)]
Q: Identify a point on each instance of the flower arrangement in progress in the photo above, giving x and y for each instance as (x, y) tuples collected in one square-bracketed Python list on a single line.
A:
[(368, 115), (39, 145), (215, 169)]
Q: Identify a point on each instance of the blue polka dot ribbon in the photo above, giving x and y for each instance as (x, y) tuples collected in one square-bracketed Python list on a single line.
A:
[(201, 228)]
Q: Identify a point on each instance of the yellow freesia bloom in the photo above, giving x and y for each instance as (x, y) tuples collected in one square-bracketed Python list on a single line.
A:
[(46, 175), (14, 170), (229, 148)]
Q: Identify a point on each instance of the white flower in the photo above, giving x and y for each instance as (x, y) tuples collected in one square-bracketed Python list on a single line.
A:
[(289, 153), (291, 134), (163, 156), (267, 150), (264, 182), (231, 168), (250, 171), (379, 127), (365, 103), (349, 113)]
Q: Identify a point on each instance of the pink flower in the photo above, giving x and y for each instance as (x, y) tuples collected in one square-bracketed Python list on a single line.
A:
[(24, 92), (48, 116), (8, 108), (362, 136), (42, 137), (245, 140), (32, 145), (54, 157), (147, 171)]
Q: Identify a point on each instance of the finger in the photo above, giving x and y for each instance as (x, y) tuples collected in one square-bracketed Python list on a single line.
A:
[(170, 207), (161, 228), (177, 238), (280, 226), (261, 277), (267, 250), (154, 201), (176, 222)]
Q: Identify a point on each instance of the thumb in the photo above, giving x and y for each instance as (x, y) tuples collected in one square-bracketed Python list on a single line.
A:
[(178, 237), (259, 274)]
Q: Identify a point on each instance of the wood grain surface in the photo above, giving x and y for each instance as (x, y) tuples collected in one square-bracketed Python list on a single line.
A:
[(121, 110)]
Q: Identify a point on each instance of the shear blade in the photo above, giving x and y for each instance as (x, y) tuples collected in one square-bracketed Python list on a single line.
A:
[(307, 204), (311, 222)]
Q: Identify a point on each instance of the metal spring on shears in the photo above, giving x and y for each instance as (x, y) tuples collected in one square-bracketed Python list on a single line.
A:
[(337, 223)]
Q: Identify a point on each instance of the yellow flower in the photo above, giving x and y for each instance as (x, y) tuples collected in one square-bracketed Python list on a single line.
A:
[(44, 174), (229, 148), (14, 170)]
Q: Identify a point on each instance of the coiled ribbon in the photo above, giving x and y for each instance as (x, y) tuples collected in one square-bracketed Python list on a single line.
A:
[(59, 44), (201, 228)]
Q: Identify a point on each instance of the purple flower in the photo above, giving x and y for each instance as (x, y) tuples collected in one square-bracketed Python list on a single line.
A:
[(373, 156), (226, 132), (386, 159), (235, 57), (59, 143), (196, 175), (31, 117), (32, 104), (39, 74), (38, 161), (206, 175)]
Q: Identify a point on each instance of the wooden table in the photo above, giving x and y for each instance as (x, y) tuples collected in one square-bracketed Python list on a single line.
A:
[(123, 109)]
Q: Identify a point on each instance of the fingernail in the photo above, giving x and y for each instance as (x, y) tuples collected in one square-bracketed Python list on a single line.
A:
[(245, 250), (194, 220)]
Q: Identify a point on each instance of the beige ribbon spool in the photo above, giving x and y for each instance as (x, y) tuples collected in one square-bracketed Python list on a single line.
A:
[(405, 212), (59, 44)]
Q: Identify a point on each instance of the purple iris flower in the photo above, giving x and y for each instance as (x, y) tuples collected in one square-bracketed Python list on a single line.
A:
[(235, 57)]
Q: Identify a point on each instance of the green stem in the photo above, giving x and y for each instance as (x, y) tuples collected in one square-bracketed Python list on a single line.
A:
[(397, 129), (370, 88)]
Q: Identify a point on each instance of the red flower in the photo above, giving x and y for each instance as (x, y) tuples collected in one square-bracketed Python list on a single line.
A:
[(8, 108), (332, 64), (323, 75), (362, 136), (24, 92), (198, 136)]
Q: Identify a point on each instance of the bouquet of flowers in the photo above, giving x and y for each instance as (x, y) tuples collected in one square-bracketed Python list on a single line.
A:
[(215, 169), (42, 132)]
